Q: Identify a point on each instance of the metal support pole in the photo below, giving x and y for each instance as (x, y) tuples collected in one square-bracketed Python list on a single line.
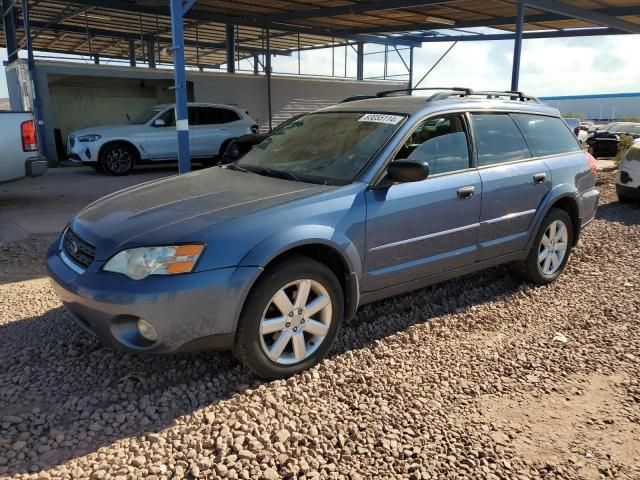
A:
[(86, 24), (32, 74), (299, 67), (256, 64), (182, 112), (268, 71), (198, 49), (151, 52), (360, 61), (517, 47), (96, 59), (410, 67), (132, 53), (231, 48), (8, 12)]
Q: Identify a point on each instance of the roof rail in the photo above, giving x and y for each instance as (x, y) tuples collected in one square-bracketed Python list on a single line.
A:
[(357, 97), (457, 90), (446, 92)]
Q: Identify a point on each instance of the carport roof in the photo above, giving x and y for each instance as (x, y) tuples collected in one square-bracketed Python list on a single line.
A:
[(62, 27)]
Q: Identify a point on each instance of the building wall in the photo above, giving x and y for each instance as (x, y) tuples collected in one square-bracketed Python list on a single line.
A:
[(598, 107), (74, 95)]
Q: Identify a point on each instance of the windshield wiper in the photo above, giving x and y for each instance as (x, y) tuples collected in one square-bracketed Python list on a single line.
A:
[(270, 172), (238, 168)]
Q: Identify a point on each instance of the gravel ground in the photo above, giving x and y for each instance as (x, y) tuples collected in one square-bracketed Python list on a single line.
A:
[(481, 377)]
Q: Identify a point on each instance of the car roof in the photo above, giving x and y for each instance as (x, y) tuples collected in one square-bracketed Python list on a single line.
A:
[(406, 104), (197, 104)]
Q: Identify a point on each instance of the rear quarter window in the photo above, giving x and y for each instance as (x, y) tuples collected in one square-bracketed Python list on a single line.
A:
[(498, 140), (546, 135)]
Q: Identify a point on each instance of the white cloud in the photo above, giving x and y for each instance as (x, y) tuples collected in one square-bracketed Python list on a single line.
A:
[(579, 65)]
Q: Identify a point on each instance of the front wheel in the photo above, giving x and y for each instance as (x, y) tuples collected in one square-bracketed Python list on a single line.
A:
[(118, 159), (551, 249), (291, 318)]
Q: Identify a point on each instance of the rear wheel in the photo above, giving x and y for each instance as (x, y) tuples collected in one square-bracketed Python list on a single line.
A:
[(551, 249), (118, 159), (291, 318)]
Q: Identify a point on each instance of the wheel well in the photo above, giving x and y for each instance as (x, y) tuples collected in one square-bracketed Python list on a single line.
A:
[(125, 142), (571, 207), (336, 263), (225, 144)]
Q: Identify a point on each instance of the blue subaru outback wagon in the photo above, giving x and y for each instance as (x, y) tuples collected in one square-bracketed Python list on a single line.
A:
[(367, 199)]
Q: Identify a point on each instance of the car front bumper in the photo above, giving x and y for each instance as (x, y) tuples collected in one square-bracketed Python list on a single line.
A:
[(190, 312), (82, 152)]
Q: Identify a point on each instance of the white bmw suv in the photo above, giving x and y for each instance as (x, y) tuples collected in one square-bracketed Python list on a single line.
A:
[(152, 137)]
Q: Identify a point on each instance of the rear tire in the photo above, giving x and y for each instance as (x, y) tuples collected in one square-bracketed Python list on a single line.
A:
[(273, 338), (118, 159), (550, 251)]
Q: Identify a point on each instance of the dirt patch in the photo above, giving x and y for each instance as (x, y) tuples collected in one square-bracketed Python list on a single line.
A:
[(587, 421)]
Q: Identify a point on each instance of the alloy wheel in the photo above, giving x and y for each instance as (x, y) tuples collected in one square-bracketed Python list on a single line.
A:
[(118, 160), (553, 247), (295, 322)]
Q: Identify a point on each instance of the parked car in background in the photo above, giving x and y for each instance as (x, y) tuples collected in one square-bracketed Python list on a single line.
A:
[(628, 178), (152, 138), (574, 123), (605, 143), (238, 147), (19, 142), (357, 202)]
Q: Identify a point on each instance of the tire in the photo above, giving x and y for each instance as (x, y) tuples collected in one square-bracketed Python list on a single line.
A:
[(218, 159), (534, 269), (118, 159), (315, 332)]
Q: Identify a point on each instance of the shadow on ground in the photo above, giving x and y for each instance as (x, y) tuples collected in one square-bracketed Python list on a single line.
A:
[(66, 395)]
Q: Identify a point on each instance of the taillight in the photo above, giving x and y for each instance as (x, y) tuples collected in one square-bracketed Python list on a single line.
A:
[(29, 136), (593, 163)]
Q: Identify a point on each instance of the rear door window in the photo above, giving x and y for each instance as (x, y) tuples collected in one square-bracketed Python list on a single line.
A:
[(216, 116), (498, 140), (546, 135)]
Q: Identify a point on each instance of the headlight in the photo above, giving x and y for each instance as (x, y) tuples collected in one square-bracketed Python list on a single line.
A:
[(90, 138), (139, 263)]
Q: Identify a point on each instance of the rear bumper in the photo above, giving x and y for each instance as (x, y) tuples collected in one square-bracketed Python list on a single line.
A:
[(589, 205), (36, 167), (190, 312)]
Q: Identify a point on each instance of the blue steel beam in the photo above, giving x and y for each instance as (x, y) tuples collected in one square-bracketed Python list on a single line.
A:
[(180, 87), (9, 21), (586, 32), (517, 47), (499, 21), (587, 15), (230, 31)]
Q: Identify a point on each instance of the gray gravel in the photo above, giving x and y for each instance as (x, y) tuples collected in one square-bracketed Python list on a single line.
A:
[(481, 377)]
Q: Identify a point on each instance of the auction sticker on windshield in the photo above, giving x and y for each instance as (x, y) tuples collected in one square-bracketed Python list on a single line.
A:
[(381, 118)]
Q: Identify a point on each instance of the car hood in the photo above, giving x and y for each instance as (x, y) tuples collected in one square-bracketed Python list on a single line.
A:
[(180, 206), (107, 130)]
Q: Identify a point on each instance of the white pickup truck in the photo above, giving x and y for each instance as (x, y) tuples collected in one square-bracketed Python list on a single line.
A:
[(19, 155)]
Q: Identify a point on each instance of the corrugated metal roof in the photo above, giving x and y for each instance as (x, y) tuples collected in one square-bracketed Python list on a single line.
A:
[(60, 26)]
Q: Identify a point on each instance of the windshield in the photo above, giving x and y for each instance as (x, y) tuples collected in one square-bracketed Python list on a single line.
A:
[(145, 117), (327, 148), (627, 128)]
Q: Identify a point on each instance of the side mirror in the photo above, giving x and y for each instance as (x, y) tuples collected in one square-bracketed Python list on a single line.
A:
[(159, 123), (408, 171)]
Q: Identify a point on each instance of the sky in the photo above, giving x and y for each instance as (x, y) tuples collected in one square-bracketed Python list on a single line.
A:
[(568, 66)]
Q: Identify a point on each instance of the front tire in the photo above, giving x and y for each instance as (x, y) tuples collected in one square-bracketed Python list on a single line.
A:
[(291, 318), (551, 249), (118, 159)]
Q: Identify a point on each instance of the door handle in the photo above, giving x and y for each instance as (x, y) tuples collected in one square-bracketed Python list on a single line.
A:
[(539, 177), (466, 192)]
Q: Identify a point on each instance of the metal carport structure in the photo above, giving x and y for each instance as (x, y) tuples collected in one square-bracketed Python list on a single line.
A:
[(211, 33)]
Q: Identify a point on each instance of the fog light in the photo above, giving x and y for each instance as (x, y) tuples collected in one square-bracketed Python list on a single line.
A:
[(147, 330)]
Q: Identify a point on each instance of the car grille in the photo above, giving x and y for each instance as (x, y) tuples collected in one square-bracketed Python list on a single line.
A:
[(81, 252)]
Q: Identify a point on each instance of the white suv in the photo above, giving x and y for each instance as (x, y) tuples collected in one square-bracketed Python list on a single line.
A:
[(628, 178), (152, 137)]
